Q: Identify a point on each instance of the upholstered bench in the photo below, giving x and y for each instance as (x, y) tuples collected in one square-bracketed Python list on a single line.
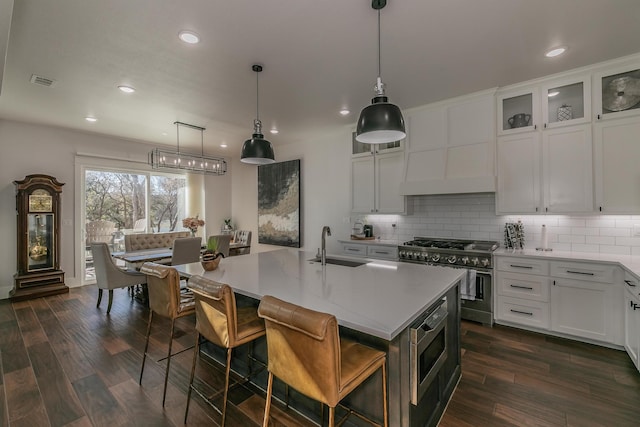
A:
[(142, 241)]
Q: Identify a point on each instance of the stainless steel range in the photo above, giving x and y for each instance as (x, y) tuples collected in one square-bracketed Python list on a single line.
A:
[(474, 255)]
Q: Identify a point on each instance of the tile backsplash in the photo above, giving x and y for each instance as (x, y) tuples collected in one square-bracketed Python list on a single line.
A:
[(472, 216)]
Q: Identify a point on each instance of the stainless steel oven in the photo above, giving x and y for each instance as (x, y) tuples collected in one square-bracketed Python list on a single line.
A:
[(473, 255), (428, 350)]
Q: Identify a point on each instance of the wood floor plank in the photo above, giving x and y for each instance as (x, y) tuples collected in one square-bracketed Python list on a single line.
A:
[(98, 402), (32, 332), (140, 410), (23, 396), (59, 398)]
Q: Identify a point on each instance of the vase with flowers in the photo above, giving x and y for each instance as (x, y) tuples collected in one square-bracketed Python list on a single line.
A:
[(192, 224)]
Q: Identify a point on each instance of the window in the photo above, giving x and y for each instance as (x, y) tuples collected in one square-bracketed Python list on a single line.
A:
[(116, 203)]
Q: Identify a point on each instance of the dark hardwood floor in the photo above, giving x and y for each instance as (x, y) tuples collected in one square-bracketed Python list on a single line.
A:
[(65, 363)]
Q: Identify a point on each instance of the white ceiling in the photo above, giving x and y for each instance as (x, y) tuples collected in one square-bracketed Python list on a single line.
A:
[(319, 56)]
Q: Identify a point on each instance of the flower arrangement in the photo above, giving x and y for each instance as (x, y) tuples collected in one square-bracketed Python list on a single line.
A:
[(192, 223)]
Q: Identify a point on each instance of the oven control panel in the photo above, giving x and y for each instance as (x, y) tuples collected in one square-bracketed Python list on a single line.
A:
[(419, 255)]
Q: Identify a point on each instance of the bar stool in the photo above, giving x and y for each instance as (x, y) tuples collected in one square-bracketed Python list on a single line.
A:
[(166, 300), (306, 352), (221, 322)]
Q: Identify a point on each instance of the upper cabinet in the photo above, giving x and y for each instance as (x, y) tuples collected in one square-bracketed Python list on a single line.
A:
[(376, 174), (566, 102), (518, 111), (617, 92), (544, 147), (451, 147)]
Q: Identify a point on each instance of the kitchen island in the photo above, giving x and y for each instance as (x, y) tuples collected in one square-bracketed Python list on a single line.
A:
[(376, 303)]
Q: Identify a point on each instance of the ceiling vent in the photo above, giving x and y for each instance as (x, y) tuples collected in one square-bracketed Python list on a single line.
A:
[(43, 81)]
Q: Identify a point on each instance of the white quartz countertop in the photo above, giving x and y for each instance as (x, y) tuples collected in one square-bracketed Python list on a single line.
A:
[(380, 298), (629, 262)]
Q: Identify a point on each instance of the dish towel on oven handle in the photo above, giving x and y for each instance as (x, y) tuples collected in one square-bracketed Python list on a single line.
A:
[(468, 286)]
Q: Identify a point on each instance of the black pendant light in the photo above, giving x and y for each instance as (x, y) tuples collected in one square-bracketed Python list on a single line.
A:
[(381, 121), (257, 150)]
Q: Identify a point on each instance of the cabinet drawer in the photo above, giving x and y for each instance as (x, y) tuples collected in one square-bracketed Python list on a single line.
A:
[(523, 265), (582, 271), (525, 286), (357, 250), (384, 252), (524, 312)]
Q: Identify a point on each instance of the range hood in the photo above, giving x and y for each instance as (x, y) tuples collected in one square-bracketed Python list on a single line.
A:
[(480, 184)]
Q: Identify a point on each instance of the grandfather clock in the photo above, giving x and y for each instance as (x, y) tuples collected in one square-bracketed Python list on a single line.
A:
[(38, 215)]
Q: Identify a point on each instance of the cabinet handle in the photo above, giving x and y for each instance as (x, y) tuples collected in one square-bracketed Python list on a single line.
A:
[(633, 305), (353, 249), (598, 116), (584, 273), (600, 208), (545, 125), (521, 312), (630, 283), (535, 127), (536, 209), (522, 287), (521, 266), (546, 209), (381, 252)]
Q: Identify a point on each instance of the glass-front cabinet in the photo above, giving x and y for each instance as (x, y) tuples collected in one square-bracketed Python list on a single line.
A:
[(566, 102), (38, 238), (518, 111), (617, 92)]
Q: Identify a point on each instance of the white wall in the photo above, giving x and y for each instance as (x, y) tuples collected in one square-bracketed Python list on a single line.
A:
[(30, 149), (325, 164)]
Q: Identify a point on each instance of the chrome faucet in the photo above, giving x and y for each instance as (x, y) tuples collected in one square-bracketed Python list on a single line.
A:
[(326, 231)]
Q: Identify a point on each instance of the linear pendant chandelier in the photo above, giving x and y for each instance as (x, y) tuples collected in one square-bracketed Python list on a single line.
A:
[(161, 158), (380, 122)]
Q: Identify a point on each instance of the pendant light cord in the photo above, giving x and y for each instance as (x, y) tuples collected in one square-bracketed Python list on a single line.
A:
[(379, 50), (257, 97), (178, 136)]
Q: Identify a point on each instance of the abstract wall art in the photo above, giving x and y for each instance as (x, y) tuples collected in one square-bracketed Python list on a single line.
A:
[(279, 203)]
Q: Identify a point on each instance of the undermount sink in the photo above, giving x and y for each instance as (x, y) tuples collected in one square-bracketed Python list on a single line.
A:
[(344, 262)]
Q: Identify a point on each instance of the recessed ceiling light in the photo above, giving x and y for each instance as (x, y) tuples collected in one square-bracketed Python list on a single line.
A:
[(344, 112), (126, 89), (552, 94), (274, 131), (555, 52), (189, 37), (91, 119), (223, 145)]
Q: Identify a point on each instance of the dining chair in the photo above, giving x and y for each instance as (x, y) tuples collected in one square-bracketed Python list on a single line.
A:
[(224, 240), (243, 237), (186, 250), (306, 352), (166, 300), (109, 276), (222, 323)]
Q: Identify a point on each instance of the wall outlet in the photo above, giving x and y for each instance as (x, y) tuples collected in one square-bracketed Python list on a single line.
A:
[(636, 229)]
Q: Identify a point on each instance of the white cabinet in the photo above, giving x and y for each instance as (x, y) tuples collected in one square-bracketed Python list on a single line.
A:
[(518, 159), (522, 296), (375, 182), (370, 250), (567, 169), (544, 159), (632, 318), (617, 91), (578, 299), (616, 156), (451, 146)]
